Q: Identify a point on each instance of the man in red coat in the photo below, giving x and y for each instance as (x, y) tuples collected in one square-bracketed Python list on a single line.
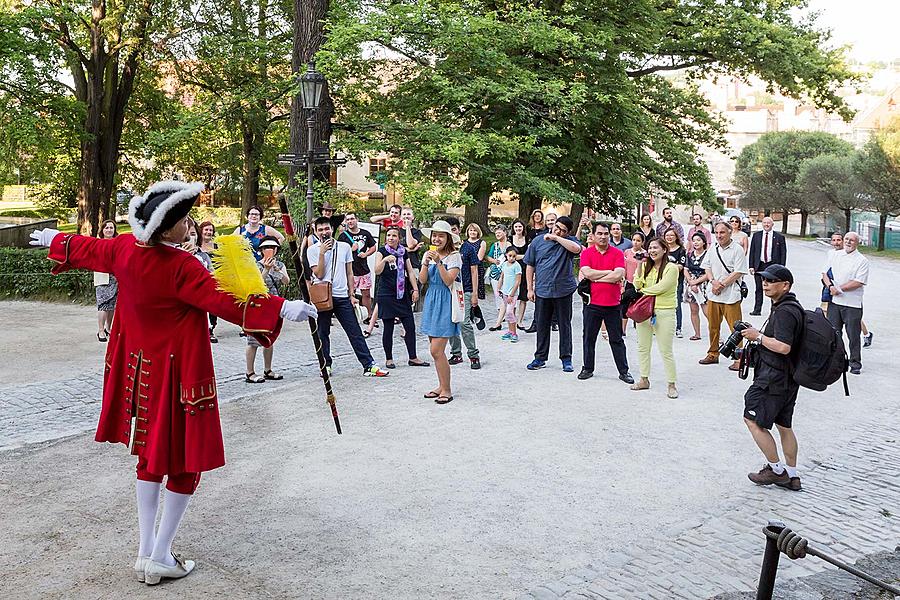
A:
[(159, 387)]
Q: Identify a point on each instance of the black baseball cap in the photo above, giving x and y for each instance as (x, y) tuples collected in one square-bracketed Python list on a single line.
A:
[(775, 273)]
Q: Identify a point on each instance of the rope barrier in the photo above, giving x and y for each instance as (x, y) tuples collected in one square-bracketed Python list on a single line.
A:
[(781, 539)]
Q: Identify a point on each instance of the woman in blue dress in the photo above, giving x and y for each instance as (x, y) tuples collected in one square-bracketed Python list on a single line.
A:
[(255, 230), (440, 268)]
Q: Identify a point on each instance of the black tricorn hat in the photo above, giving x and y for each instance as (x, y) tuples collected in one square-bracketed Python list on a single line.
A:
[(162, 206)]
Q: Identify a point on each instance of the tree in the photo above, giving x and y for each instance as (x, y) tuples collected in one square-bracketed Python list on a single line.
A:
[(565, 99), (877, 166), (235, 64), (768, 169), (100, 46), (828, 180)]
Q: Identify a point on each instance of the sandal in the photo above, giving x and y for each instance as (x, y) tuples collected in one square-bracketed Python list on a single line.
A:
[(366, 333), (390, 365), (694, 338), (443, 399), (254, 378), (272, 375), (418, 364), (430, 395)]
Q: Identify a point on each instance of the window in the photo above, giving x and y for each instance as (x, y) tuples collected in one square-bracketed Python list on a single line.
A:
[(377, 165)]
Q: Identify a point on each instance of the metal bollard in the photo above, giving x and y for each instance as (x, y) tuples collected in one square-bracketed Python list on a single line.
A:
[(766, 585)]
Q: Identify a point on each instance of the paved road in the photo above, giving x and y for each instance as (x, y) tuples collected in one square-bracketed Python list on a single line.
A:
[(528, 483)]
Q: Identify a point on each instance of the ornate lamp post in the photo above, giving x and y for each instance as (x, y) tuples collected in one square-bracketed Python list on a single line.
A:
[(312, 83)]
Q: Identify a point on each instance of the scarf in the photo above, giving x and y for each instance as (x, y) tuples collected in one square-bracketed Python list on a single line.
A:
[(399, 253)]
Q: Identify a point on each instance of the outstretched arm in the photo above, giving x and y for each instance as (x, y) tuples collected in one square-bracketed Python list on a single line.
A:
[(71, 251)]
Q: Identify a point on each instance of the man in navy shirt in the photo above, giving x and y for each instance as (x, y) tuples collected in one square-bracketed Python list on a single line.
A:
[(550, 277)]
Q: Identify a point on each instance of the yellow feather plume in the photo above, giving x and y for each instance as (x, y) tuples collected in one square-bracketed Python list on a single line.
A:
[(235, 270)]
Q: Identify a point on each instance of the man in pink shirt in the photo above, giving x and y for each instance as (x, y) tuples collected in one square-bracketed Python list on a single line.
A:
[(698, 227), (604, 266)]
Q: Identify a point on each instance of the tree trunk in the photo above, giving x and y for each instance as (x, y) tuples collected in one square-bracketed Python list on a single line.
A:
[(882, 230), (104, 84), (478, 211), (527, 203), (785, 215), (804, 218), (309, 34), (576, 212), (846, 220), (250, 170)]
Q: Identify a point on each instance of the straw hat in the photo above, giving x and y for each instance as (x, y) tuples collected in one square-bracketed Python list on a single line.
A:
[(441, 227)]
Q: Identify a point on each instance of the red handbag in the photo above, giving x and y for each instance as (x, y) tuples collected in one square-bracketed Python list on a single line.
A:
[(641, 309)]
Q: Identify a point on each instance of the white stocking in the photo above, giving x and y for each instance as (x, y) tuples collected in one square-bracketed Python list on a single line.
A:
[(147, 504), (174, 507)]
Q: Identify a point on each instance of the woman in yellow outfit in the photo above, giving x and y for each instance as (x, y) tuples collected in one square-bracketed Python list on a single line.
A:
[(657, 277)]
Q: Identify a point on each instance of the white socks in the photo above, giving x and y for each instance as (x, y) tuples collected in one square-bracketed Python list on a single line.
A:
[(174, 508), (147, 504), (777, 467), (792, 471)]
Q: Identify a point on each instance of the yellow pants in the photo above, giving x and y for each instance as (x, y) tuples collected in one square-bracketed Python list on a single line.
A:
[(664, 330)]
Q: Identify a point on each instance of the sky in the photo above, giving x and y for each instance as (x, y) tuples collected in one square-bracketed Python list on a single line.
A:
[(872, 27)]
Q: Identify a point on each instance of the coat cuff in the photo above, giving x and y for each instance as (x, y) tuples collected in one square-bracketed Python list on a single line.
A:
[(59, 253), (262, 318)]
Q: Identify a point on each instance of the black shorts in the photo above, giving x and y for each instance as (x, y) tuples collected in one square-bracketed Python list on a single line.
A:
[(765, 404)]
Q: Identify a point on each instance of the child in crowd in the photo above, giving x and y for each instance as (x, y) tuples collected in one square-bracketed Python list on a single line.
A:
[(275, 275), (510, 280)]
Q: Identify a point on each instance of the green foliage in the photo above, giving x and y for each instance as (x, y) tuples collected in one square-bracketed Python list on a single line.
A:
[(828, 181), (25, 273), (877, 166), (560, 100), (768, 169)]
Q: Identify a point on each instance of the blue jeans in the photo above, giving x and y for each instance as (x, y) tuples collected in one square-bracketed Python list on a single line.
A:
[(343, 312)]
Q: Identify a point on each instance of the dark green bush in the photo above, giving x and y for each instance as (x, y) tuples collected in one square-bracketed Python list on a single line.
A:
[(25, 273)]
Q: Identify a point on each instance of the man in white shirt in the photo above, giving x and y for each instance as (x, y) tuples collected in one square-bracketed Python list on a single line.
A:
[(725, 264), (849, 276), (332, 261)]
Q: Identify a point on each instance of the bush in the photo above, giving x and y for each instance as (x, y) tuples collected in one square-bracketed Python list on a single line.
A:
[(223, 217), (25, 273)]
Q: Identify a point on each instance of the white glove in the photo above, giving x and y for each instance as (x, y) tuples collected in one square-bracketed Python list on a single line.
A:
[(43, 237), (298, 310)]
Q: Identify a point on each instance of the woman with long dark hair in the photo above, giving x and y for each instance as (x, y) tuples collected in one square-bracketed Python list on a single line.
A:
[(646, 227), (677, 256), (396, 290), (106, 288), (657, 277), (520, 241), (695, 278), (536, 224)]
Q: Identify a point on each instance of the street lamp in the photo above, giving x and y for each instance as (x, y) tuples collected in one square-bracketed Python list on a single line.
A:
[(312, 84)]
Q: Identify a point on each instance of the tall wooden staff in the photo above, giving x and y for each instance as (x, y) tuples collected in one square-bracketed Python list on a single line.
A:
[(304, 293)]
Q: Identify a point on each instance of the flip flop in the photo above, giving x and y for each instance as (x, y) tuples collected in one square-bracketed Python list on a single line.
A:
[(444, 399), (694, 338), (430, 395)]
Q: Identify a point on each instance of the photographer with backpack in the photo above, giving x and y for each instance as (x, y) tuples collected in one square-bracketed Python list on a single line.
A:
[(770, 399)]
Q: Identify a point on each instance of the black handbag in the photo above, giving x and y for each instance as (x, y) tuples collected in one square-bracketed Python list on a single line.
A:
[(584, 290), (745, 291)]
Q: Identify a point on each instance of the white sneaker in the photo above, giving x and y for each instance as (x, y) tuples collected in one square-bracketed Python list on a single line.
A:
[(140, 564), (156, 571)]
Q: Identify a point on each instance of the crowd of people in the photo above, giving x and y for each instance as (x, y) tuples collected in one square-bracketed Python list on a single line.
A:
[(170, 404)]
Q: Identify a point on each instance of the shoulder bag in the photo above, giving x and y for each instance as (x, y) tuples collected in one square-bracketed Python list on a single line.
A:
[(320, 292), (744, 290), (457, 299)]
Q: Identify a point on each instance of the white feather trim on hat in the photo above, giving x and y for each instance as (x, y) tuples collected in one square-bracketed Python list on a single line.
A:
[(181, 191)]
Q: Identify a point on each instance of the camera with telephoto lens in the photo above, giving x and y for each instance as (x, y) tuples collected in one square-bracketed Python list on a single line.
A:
[(729, 349)]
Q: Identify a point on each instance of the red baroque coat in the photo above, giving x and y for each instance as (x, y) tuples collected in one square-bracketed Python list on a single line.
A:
[(159, 365)]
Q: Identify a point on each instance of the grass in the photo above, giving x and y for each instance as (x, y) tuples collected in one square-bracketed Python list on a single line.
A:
[(891, 253)]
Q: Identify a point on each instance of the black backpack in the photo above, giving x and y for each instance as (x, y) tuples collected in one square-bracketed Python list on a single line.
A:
[(821, 358)]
